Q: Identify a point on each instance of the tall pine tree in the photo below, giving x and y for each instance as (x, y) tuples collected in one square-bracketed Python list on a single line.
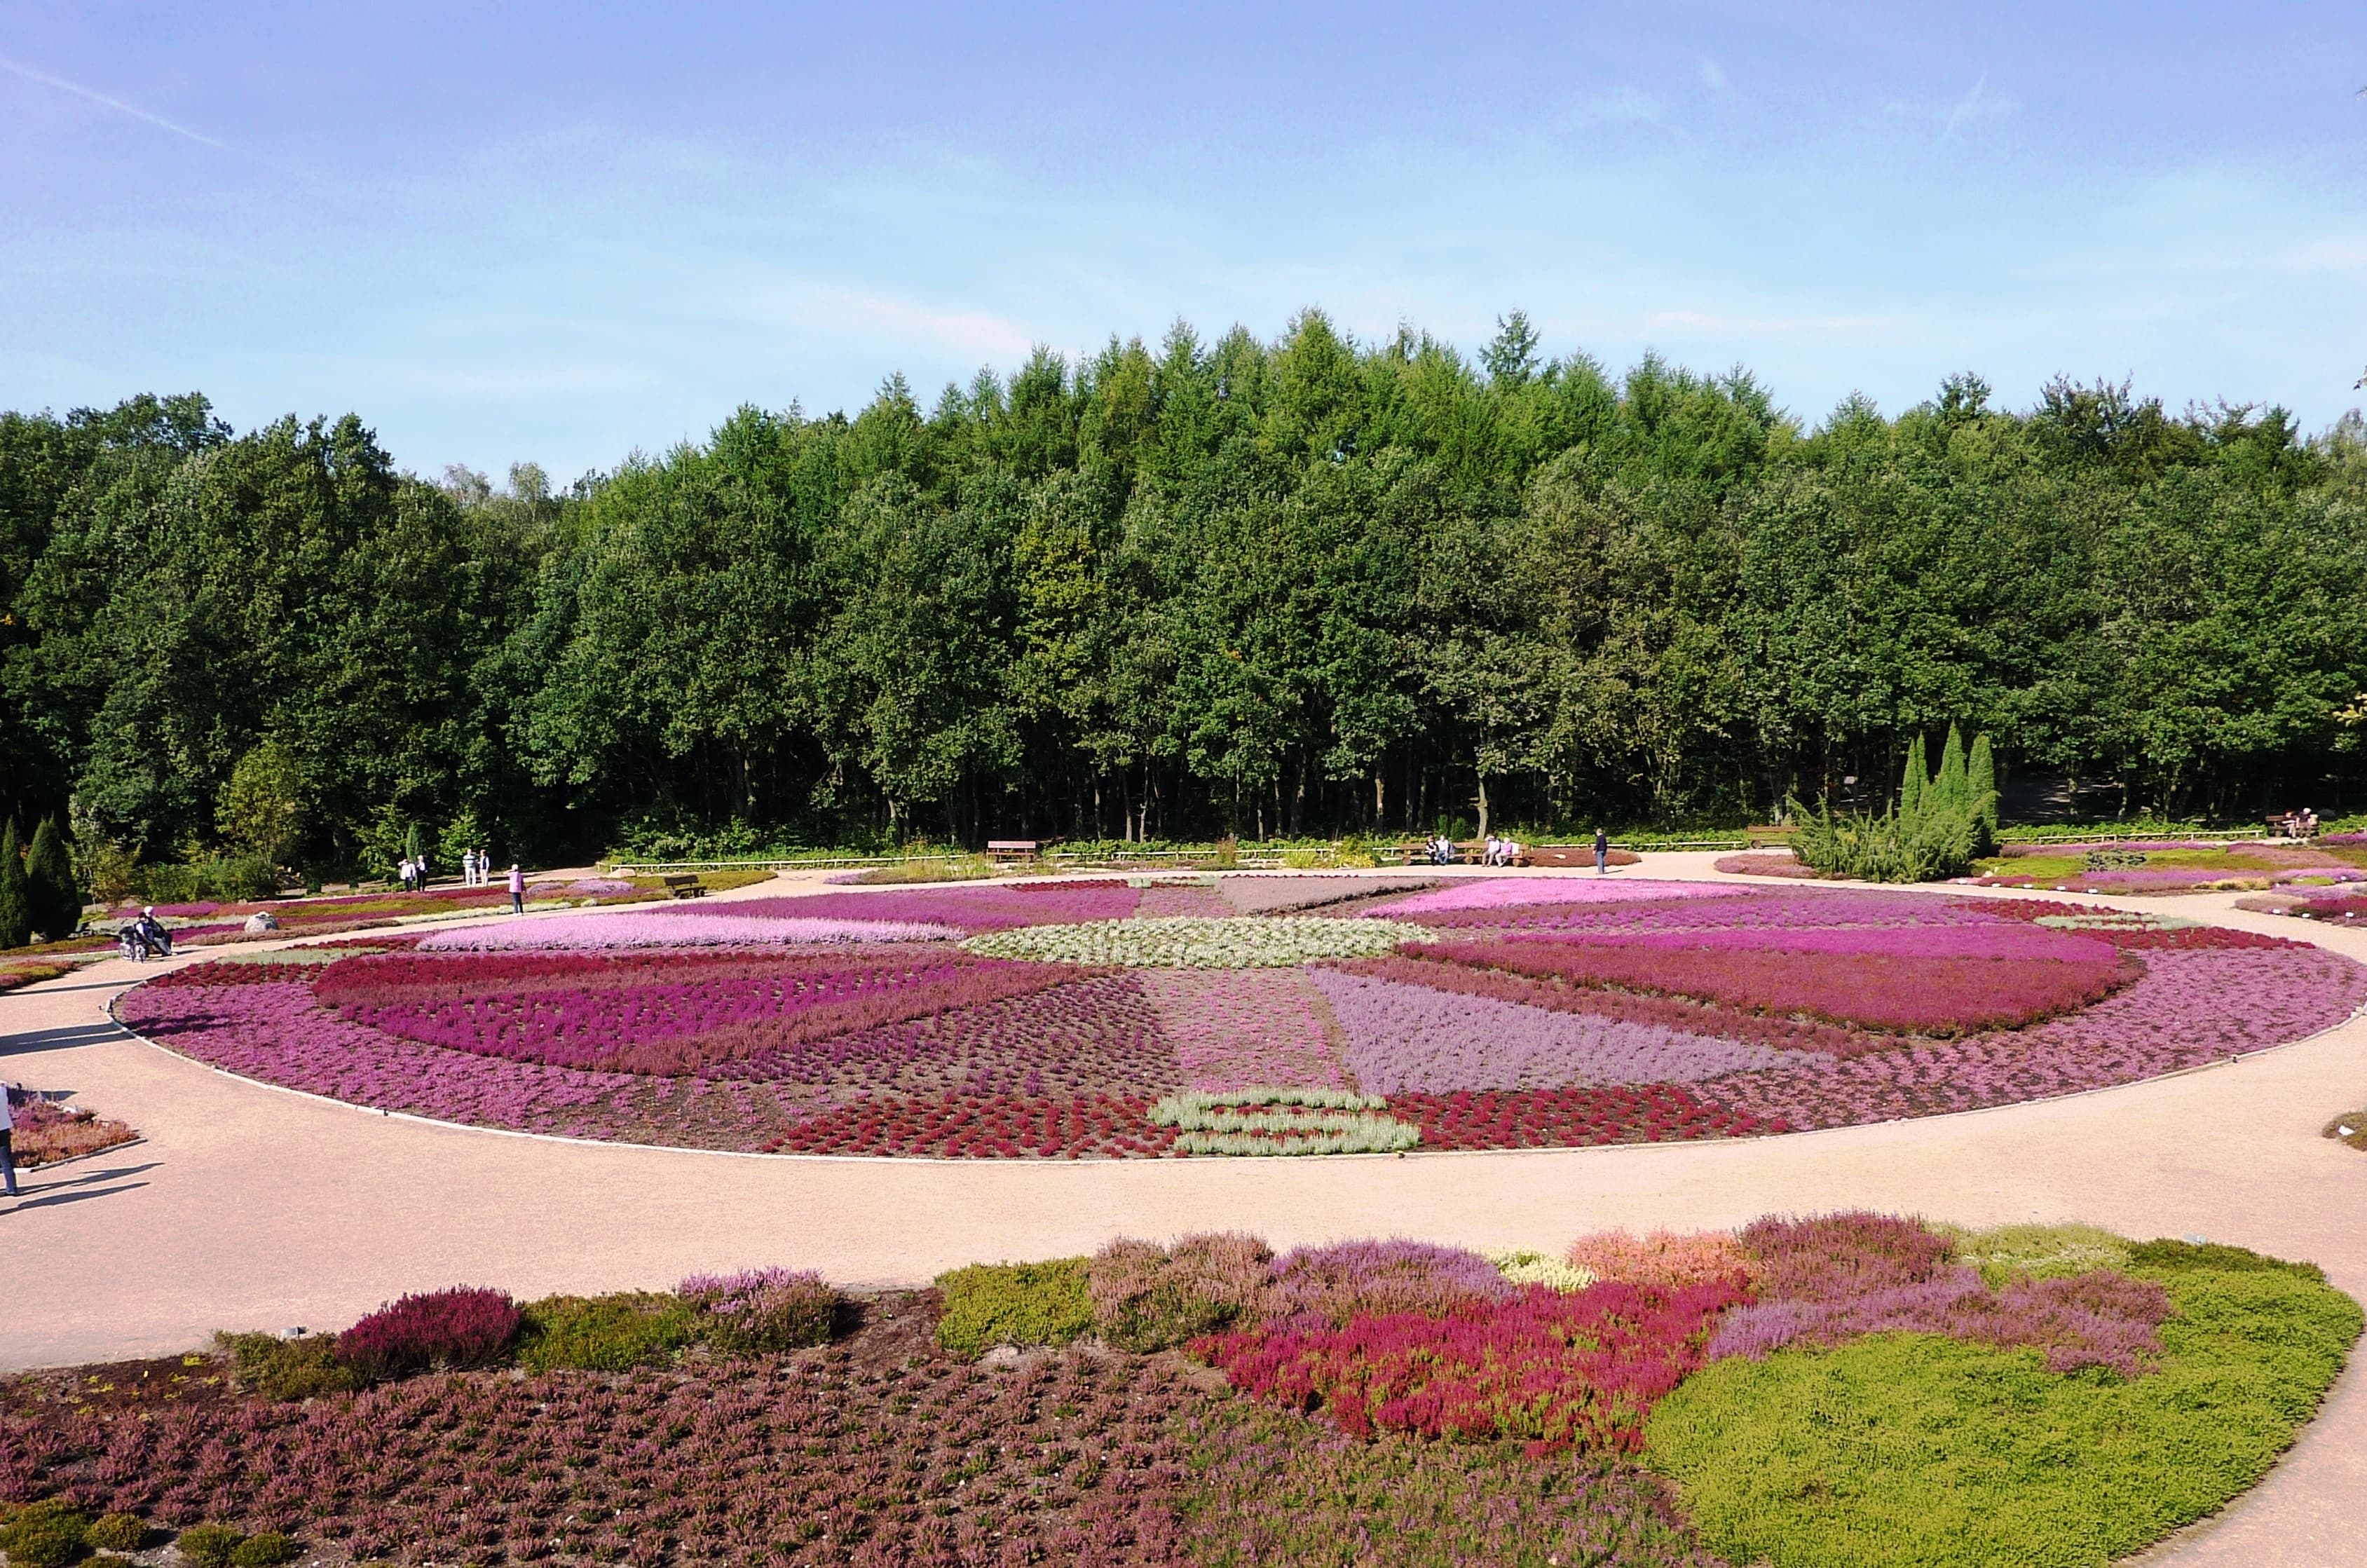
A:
[(1914, 782), (1948, 790)]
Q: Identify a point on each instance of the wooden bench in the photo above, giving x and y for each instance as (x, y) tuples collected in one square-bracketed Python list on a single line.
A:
[(1013, 849), (1768, 836), (684, 887)]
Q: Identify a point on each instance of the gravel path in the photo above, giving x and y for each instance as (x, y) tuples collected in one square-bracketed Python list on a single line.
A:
[(249, 1207)]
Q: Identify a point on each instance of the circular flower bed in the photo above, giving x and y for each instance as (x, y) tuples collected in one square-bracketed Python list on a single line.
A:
[(1057, 1019)]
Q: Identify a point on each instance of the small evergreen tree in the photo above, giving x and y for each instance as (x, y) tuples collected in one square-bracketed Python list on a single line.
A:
[(1980, 784), (1948, 790), (1915, 781), (15, 895), (54, 898)]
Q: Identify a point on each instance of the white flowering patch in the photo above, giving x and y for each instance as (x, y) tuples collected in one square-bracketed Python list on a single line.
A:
[(1190, 942)]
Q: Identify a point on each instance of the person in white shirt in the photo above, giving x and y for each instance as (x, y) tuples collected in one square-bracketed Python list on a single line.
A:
[(8, 1139)]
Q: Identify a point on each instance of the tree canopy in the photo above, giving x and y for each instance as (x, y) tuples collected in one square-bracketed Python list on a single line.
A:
[(1311, 584)]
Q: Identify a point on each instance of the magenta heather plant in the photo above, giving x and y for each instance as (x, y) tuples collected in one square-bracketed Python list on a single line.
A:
[(451, 1330), (1502, 892), (669, 929), (970, 909), (1348, 1279)]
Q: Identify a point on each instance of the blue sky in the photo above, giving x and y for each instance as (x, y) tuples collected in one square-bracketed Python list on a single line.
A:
[(559, 232)]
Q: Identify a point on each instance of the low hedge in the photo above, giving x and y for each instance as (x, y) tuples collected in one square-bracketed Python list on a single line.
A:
[(1910, 1449), (989, 1304)]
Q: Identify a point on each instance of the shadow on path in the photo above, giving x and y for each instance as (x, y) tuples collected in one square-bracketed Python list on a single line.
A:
[(64, 1038), (44, 1194)]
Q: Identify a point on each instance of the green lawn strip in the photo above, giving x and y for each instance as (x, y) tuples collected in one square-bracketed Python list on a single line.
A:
[(1913, 1449)]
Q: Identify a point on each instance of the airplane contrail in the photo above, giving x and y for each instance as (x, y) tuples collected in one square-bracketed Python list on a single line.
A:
[(134, 110)]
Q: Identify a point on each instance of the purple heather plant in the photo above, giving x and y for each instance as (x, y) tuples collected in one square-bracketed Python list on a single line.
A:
[(1349, 1279)]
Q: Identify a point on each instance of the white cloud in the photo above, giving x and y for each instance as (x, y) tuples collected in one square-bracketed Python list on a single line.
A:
[(1712, 76)]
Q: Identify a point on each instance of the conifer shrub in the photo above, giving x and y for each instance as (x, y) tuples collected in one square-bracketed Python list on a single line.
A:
[(16, 895), (604, 1334), (1147, 1296), (47, 1534), (301, 1368), (1940, 826), (989, 1304), (54, 901), (209, 1545), (117, 1532), (263, 1549)]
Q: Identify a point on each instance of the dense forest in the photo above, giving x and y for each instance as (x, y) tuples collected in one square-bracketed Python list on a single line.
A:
[(1315, 586)]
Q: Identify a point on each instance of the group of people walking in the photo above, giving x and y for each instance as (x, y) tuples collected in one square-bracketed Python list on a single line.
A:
[(476, 872)]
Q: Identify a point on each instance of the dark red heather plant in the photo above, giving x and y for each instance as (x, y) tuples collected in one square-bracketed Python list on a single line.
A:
[(1005, 1127), (1575, 1118), (438, 1330), (1581, 1371)]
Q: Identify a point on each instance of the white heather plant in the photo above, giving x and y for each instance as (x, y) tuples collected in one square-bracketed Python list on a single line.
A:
[(1190, 942), (1524, 1266), (1283, 1121)]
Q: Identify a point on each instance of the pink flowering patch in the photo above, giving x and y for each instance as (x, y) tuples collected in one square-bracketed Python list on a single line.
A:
[(1581, 1371), (1498, 893), (970, 909), (668, 929)]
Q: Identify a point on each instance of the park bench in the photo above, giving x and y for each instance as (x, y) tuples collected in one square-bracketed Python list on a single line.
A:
[(684, 887), (1768, 835), (1012, 848)]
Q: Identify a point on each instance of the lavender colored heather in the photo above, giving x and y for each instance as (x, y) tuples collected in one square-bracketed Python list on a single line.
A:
[(973, 909), (1411, 1040), (2098, 1319), (2191, 1006), (1498, 892), (666, 929), (1238, 1029), (1350, 1280)]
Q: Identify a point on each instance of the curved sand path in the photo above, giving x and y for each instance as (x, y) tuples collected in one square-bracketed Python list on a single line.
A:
[(246, 1207)]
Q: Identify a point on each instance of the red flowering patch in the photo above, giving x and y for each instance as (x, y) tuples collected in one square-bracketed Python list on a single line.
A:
[(1006, 1127), (1573, 1117), (1581, 1371)]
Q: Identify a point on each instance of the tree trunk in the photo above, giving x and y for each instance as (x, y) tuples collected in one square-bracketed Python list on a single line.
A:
[(1483, 805)]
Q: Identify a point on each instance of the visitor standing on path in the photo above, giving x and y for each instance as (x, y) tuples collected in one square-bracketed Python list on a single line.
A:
[(8, 1139), (517, 890), (1601, 852)]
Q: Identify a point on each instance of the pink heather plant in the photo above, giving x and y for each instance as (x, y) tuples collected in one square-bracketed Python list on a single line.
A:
[(1242, 1028), (1350, 1279), (668, 929), (759, 1310), (1498, 893), (1403, 1038), (971, 909)]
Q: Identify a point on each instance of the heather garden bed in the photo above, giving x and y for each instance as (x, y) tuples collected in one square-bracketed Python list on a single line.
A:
[(2175, 866), (1831, 1391), (1093, 1019)]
